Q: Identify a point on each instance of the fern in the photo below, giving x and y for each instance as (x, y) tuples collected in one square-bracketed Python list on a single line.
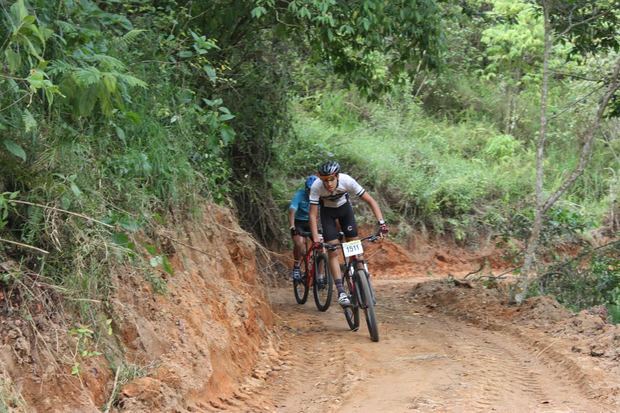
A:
[(131, 81), (106, 62), (59, 68), (87, 77), (124, 42), (29, 121)]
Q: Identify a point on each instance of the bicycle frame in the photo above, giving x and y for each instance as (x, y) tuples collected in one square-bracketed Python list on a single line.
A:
[(309, 256), (314, 259), (357, 284), (353, 263)]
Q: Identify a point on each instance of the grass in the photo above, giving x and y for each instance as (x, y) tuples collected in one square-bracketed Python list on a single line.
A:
[(425, 166), (10, 400), (460, 177)]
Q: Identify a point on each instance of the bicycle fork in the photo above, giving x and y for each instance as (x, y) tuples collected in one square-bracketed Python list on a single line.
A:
[(351, 276), (352, 268)]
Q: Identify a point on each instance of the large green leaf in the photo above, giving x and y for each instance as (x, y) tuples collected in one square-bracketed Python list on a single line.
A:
[(210, 71), (15, 149), (18, 14), (227, 133), (13, 59)]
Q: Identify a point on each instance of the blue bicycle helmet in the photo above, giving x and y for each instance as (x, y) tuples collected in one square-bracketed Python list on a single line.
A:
[(310, 180)]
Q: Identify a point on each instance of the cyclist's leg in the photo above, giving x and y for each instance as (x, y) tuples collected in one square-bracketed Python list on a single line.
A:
[(299, 242), (349, 228), (330, 236), (298, 248), (329, 218), (347, 221)]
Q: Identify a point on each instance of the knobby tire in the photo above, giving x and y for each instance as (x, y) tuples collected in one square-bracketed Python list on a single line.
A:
[(368, 304), (322, 287), (351, 313), (300, 287)]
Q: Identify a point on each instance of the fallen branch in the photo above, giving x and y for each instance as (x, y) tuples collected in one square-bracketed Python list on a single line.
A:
[(475, 272), (24, 245), (545, 349), (111, 400), (86, 217), (187, 245)]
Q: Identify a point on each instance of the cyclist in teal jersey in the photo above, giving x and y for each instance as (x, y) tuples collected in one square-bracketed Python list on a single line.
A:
[(298, 219)]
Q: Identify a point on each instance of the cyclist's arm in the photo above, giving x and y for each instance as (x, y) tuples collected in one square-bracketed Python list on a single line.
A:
[(314, 225), (373, 205), (291, 217), (292, 209)]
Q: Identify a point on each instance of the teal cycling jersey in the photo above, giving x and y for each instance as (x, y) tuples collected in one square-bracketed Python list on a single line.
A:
[(301, 204)]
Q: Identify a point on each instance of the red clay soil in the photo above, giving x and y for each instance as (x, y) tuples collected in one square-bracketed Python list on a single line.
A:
[(221, 339), (169, 352)]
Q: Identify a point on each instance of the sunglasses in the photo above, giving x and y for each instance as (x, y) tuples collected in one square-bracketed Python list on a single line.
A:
[(328, 178)]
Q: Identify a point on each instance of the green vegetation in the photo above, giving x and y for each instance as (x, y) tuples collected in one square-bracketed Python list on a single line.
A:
[(116, 116), (430, 172), (10, 400), (591, 279)]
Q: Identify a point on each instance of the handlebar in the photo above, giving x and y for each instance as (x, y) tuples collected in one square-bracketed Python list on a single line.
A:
[(371, 238)]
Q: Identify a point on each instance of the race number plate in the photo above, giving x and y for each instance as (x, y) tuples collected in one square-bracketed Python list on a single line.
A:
[(352, 248)]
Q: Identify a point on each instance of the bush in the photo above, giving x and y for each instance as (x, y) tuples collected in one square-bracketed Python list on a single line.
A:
[(583, 283)]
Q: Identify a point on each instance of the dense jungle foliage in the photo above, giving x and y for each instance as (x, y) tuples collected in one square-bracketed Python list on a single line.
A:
[(117, 117)]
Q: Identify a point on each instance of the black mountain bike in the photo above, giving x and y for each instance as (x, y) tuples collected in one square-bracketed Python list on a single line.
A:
[(357, 285), (315, 274)]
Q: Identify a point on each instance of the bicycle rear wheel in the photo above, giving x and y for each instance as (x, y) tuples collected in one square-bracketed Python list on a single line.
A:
[(322, 287), (351, 313), (300, 287), (368, 304)]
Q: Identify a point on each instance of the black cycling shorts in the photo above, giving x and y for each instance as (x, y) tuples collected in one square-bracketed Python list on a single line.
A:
[(302, 226), (344, 215)]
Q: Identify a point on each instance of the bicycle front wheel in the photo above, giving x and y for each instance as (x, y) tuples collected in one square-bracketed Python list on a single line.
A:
[(300, 287), (351, 313), (323, 286), (368, 304)]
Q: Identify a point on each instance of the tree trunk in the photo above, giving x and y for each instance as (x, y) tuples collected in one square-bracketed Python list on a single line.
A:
[(543, 206), (532, 244)]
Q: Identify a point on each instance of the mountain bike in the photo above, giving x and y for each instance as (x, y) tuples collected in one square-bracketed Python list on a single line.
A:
[(316, 275), (357, 285)]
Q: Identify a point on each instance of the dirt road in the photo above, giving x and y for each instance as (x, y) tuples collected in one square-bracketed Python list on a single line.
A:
[(426, 361)]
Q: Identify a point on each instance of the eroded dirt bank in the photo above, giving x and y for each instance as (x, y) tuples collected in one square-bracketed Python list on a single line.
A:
[(171, 351)]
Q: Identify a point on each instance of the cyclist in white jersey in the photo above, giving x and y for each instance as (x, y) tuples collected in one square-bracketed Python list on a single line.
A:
[(331, 194)]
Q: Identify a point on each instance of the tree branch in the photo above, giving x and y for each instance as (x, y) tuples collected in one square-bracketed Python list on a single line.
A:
[(572, 25), (612, 87), (86, 217), (19, 244), (574, 103)]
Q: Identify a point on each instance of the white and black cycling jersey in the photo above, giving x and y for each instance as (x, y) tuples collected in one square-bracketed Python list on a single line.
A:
[(339, 196)]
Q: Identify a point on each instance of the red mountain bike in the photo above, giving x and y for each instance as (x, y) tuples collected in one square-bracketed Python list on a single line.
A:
[(357, 285), (316, 275)]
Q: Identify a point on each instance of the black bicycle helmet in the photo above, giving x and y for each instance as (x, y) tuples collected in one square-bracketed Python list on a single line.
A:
[(329, 168)]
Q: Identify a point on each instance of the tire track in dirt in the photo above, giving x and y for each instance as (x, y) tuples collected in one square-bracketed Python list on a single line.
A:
[(428, 360), (513, 375), (310, 364), (536, 352)]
